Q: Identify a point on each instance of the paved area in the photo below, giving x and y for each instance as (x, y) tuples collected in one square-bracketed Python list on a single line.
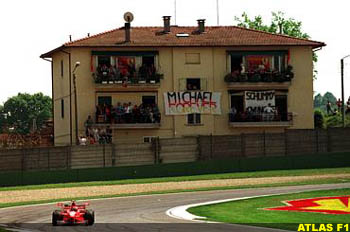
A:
[(146, 213)]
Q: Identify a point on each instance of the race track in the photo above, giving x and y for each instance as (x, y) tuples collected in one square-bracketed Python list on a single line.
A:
[(145, 213)]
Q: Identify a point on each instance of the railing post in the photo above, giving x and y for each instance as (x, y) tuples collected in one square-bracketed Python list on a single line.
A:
[(199, 147), (264, 134), (243, 145), (48, 159), (104, 154), (113, 154), (211, 146), (317, 149), (285, 142), (329, 142), (68, 154)]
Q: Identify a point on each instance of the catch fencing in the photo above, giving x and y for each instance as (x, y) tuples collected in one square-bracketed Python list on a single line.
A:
[(177, 150)]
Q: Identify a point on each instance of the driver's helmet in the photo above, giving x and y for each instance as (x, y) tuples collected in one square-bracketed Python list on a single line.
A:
[(74, 204)]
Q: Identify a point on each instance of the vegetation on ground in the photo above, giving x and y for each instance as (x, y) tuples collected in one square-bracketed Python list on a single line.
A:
[(307, 182), (251, 211)]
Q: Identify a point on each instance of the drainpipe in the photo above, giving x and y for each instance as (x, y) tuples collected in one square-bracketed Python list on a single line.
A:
[(52, 100), (70, 96)]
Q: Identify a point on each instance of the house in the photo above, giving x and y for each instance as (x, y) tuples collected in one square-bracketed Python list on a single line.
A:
[(198, 80)]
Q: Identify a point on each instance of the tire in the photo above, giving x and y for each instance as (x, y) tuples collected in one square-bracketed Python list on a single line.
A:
[(55, 217), (90, 217)]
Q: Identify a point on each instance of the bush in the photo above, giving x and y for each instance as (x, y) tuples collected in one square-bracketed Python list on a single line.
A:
[(318, 119)]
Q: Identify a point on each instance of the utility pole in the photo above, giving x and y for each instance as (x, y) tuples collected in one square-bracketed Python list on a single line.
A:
[(217, 12), (342, 88)]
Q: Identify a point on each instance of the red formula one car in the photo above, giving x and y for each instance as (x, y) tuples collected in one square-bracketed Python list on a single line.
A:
[(73, 214)]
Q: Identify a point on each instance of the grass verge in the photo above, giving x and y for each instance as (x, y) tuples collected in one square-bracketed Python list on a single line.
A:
[(250, 211), (239, 175), (308, 182)]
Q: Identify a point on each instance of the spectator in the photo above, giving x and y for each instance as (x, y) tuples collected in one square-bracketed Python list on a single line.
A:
[(88, 123), (339, 105), (329, 108), (269, 112), (233, 112)]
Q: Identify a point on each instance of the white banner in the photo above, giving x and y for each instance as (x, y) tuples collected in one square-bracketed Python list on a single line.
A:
[(256, 101), (182, 103)]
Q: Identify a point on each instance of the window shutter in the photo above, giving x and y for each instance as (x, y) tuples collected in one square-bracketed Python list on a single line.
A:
[(182, 84), (203, 84)]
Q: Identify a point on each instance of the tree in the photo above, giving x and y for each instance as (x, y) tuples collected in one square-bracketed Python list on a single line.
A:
[(289, 27), (25, 110), (2, 118)]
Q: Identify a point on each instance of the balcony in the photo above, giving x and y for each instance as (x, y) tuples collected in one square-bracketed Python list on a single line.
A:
[(139, 117), (108, 80), (259, 79), (252, 119)]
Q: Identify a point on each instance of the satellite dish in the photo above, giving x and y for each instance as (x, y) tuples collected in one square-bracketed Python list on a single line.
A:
[(128, 17)]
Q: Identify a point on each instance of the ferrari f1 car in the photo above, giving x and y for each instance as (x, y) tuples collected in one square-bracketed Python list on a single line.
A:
[(73, 214)]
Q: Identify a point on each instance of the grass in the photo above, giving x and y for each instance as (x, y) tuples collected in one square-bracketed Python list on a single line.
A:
[(237, 175), (308, 182), (250, 211)]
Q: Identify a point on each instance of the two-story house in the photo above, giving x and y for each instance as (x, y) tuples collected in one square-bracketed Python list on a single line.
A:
[(175, 81)]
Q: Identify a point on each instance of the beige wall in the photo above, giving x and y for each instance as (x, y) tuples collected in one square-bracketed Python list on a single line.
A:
[(172, 63)]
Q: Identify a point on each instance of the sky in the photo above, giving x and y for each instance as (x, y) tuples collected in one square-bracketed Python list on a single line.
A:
[(31, 28)]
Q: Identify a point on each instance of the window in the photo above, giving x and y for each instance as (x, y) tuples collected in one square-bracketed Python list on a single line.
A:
[(241, 114), (193, 119), (192, 58), (62, 108), (193, 84), (267, 61), (61, 68), (149, 139), (104, 100), (148, 100)]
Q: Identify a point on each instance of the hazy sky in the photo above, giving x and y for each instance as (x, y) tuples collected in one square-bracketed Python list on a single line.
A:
[(30, 28)]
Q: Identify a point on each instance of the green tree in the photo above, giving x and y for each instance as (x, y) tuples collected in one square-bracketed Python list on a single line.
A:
[(318, 119), (318, 101), (24, 109), (289, 26), (2, 118)]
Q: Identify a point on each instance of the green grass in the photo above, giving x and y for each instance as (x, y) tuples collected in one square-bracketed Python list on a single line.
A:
[(251, 211), (308, 182), (239, 175)]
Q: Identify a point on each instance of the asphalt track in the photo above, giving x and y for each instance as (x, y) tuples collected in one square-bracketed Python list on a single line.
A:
[(146, 213)]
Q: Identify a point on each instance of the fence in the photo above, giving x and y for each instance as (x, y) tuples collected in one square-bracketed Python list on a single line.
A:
[(177, 150)]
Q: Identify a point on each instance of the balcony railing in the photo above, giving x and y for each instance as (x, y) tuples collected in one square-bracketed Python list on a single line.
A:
[(261, 119), (136, 78), (137, 118), (260, 76)]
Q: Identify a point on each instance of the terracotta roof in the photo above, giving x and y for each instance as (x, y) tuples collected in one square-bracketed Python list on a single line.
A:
[(223, 36)]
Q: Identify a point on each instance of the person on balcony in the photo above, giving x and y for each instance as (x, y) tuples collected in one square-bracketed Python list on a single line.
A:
[(156, 114), (88, 123), (269, 112), (232, 113), (119, 111)]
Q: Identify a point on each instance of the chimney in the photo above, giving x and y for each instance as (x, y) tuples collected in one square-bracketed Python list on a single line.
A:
[(127, 32), (166, 23), (201, 25)]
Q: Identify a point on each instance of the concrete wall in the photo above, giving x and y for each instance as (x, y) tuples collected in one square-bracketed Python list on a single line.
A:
[(171, 62), (178, 150)]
